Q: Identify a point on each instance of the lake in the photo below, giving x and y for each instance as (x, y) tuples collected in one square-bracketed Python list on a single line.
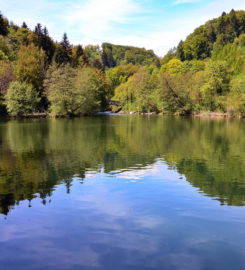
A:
[(122, 193)]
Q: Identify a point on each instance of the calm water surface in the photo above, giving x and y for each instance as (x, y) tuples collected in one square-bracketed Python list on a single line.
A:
[(122, 193)]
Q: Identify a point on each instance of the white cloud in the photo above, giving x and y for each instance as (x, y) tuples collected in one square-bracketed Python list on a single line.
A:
[(126, 22), (97, 18), (159, 39), (179, 2)]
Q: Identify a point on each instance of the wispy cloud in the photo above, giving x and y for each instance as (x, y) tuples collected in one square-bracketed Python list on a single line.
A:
[(179, 2), (97, 18), (153, 24)]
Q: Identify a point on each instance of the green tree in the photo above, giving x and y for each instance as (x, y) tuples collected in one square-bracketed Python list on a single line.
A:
[(114, 55), (176, 92), (174, 66), (180, 51), (139, 92), (169, 56), (216, 85), (59, 88), (3, 25), (120, 74), (78, 56), (21, 99), (91, 90), (75, 91), (93, 55), (6, 76), (30, 65), (63, 51), (5, 50), (40, 37), (235, 101), (18, 37)]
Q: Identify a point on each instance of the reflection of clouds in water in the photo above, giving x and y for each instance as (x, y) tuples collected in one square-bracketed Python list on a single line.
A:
[(119, 225), (139, 173), (158, 169)]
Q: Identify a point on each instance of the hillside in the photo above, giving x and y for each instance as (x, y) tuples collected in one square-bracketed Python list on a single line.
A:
[(114, 55), (206, 73), (221, 31)]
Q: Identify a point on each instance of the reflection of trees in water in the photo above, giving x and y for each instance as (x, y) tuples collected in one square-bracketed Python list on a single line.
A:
[(36, 156)]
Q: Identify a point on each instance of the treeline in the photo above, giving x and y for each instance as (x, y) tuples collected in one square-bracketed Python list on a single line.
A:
[(204, 73), (114, 55), (40, 75)]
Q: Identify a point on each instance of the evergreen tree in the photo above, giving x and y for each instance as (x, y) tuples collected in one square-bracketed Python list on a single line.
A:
[(3, 25), (38, 29), (24, 25), (42, 40), (78, 56), (63, 51), (180, 51), (235, 28), (107, 56), (211, 34), (222, 26), (65, 42)]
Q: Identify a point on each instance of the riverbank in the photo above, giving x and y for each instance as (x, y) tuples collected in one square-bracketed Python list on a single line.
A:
[(107, 113), (201, 114)]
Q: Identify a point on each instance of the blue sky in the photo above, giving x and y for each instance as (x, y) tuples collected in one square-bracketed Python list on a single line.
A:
[(153, 24)]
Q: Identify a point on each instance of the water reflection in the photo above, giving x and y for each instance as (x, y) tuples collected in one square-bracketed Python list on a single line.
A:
[(38, 155)]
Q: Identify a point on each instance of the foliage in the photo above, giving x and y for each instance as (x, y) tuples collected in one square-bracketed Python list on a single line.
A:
[(236, 98), (59, 90), (223, 30), (91, 89), (18, 37), (169, 56), (21, 99), (216, 85), (78, 56), (203, 73), (93, 55), (5, 51), (6, 76), (173, 66), (179, 97), (75, 91), (120, 74), (139, 92), (63, 51), (30, 65), (232, 53), (40, 37), (114, 55), (3, 25)]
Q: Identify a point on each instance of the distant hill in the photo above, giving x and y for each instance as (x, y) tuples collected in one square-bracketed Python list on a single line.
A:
[(114, 55)]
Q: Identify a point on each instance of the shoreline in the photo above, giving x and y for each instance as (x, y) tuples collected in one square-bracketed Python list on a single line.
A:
[(201, 115), (213, 115)]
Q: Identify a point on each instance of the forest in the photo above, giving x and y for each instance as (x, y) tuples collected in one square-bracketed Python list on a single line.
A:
[(203, 74)]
